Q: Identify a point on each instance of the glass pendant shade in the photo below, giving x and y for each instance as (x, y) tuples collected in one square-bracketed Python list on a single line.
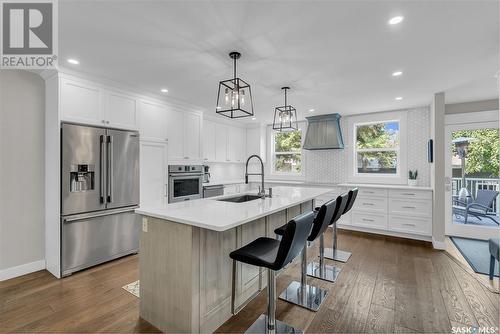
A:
[(234, 98), (285, 117)]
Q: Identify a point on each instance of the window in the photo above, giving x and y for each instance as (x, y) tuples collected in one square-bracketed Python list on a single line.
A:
[(377, 148), (287, 152)]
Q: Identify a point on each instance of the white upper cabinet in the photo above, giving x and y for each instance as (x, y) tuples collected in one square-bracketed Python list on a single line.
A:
[(221, 151), (223, 143), (153, 121), (192, 135), (120, 111), (175, 134), (209, 147), (88, 103), (256, 142), (80, 103), (236, 144)]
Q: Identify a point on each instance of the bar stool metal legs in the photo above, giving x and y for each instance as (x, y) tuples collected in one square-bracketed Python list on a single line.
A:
[(321, 270), (267, 323), (334, 253), (303, 294)]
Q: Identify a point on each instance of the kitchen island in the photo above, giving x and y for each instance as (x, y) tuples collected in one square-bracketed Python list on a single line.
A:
[(184, 266)]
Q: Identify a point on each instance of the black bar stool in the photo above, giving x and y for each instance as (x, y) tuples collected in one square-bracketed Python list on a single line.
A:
[(274, 255), (321, 270), (334, 253), (301, 293)]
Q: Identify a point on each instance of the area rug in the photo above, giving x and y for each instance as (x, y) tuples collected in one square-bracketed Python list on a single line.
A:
[(476, 253), (133, 288)]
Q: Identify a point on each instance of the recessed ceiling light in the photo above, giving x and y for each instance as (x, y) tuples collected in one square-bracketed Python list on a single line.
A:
[(396, 20), (311, 110), (397, 73), (399, 98), (164, 90), (218, 107), (254, 118), (73, 61)]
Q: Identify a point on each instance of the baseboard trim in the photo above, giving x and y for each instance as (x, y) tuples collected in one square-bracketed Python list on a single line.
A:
[(23, 269), (441, 245)]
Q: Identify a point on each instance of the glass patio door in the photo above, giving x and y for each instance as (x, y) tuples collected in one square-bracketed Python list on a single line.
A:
[(472, 180)]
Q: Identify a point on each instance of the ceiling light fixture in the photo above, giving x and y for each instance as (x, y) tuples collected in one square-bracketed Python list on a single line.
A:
[(164, 90), (254, 118), (73, 61), (234, 98), (311, 110), (396, 20), (285, 117), (399, 98), (397, 73)]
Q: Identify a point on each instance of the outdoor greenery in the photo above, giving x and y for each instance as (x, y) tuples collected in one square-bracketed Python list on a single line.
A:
[(482, 157), (373, 136), (287, 147)]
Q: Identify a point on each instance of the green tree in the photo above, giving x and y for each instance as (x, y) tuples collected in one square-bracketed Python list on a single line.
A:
[(483, 155)]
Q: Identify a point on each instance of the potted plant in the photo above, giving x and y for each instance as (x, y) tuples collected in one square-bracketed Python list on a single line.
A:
[(412, 178)]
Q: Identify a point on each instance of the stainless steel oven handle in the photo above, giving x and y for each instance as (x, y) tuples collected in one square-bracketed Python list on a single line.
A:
[(101, 169)]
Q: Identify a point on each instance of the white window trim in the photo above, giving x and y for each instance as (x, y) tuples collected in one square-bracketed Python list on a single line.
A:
[(271, 157), (402, 168)]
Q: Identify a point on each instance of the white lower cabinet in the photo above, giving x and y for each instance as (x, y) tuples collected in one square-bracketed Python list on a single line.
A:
[(370, 220), (153, 173), (409, 224), (405, 211)]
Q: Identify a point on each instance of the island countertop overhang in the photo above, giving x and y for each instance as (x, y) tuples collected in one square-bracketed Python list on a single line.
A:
[(212, 214)]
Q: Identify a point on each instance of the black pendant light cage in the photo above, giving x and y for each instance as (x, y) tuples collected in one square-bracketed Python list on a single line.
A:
[(234, 97), (285, 117)]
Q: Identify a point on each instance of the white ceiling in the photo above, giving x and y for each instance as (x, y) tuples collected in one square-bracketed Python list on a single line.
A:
[(337, 56)]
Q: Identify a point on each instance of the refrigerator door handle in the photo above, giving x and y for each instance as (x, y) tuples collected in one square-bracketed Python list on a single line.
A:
[(110, 168), (101, 169)]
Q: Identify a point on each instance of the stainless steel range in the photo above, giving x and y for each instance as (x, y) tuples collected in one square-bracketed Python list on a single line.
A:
[(185, 182), (99, 192)]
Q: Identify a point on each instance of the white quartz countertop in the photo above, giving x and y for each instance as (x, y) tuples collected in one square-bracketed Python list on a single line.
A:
[(384, 186), (223, 182), (211, 214)]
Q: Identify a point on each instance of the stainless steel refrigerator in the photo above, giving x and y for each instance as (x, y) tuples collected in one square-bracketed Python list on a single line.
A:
[(99, 192)]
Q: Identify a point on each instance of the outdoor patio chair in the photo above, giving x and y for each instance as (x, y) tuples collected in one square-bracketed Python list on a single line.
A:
[(480, 207)]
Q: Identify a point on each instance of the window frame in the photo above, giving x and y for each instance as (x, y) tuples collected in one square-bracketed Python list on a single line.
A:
[(272, 155), (381, 149), (401, 168)]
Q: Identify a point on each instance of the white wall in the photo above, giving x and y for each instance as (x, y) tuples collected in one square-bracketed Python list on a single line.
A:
[(22, 152), (330, 166), (227, 171)]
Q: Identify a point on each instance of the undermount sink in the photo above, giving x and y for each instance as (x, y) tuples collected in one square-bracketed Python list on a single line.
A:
[(240, 198)]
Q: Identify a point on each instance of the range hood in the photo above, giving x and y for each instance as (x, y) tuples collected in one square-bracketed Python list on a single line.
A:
[(323, 133)]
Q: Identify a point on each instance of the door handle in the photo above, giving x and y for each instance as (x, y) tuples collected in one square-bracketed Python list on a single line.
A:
[(101, 168), (110, 170)]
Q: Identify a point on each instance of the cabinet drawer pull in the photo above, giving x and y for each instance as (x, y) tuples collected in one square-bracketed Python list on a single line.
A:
[(409, 194), (186, 157), (368, 192), (368, 204), (406, 224), (367, 220), (408, 207)]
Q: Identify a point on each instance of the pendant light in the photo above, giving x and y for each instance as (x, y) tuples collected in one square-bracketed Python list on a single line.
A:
[(234, 98), (285, 117)]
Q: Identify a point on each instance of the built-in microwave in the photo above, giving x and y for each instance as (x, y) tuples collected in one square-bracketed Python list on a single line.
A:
[(185, 182)]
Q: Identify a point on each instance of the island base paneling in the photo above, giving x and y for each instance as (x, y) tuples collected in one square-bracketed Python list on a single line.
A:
[(186, 273)]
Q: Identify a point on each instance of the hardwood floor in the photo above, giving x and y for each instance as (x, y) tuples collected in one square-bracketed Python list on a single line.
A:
[(388, 286)]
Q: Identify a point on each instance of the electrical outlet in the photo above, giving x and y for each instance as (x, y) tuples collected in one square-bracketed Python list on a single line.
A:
[(144, 224)]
